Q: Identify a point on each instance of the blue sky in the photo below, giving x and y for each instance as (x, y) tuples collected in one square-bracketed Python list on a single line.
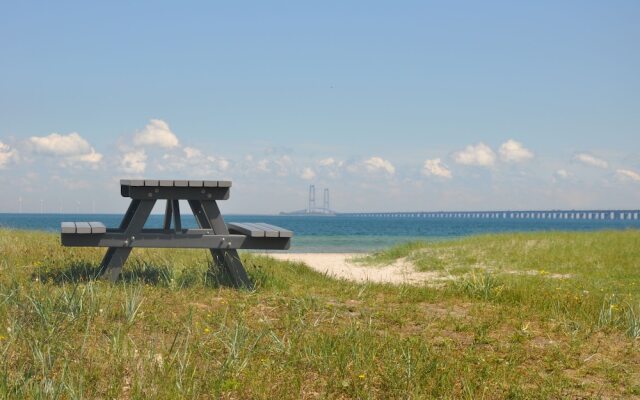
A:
[(392, 105)]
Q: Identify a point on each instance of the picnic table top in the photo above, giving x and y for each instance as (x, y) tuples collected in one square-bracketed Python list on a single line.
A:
[(174, 183)]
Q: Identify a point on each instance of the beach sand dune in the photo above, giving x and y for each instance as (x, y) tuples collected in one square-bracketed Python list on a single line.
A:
[(342, 266)]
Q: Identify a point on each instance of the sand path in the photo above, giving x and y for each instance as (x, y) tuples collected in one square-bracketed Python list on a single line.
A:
[(341, 266)]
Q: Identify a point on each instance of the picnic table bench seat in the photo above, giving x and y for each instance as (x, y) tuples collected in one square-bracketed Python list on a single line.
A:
[(83, 228), (213, 233)]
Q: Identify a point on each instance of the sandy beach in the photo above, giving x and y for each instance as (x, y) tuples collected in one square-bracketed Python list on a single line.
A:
[(342, 266)]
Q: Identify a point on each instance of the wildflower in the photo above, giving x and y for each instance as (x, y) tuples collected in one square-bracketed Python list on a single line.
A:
[(206, 330), (361, 376)]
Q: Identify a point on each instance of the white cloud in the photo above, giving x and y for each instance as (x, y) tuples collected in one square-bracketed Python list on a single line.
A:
[(512, 151), (7, 154), (588, 159), (92, 157), (194, 161), (281, 166), (263, 166), (222, 164), (326, 162), (480, 155), (60, 145), (435, 167), (190, 152), (134, 162), (156, 133), (308, 174), (375, 164), (628, 174), (562, 173), (72, 147)]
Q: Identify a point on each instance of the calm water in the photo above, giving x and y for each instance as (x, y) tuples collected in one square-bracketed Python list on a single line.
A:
[(343, 234)]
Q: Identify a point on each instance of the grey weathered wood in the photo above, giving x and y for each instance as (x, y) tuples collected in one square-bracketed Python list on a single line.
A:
[(231, 268), (83, 227), (113, 261), (68, 227), (168, 211), (213, 233), (284, 233), (97, 228), (268, 230), (230, 261), (258, 229), (132, 224), (246, 229), (193, 239), (133, 206), (174, 183), (177, 223), (172, 192)]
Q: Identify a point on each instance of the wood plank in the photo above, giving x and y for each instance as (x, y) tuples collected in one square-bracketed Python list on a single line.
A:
[(97, 227), (210, 183), (224, 184), (165, 182), (125, 182), (68, 227), (282, 232), (83, 227), (195, 183), (246, 229), (137, 182), (268, 231), (180, 183), (151, 182)]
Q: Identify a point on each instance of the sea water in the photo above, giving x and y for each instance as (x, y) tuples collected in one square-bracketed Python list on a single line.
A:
[(345, 233)]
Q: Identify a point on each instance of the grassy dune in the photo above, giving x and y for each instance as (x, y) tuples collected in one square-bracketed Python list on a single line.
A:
[(541, 315)]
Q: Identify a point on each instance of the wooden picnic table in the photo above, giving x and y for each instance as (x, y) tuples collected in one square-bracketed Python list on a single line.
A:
[(223, 240)]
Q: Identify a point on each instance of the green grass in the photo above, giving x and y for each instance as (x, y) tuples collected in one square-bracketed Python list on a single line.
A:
[(541, 315)]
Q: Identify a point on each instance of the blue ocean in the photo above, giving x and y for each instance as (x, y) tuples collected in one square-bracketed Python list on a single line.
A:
[(345, 233)]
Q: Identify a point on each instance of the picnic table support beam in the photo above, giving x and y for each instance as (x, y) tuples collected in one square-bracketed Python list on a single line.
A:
[(132, 223), (166, 225), (231, 270), (177, 224)]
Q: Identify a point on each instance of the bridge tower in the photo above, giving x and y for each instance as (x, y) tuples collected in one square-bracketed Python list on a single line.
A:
[(325, 200), (312, 198)]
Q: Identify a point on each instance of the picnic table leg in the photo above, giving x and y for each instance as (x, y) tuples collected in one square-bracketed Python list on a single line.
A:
[(132, 223), (232, 271), (167, 216)]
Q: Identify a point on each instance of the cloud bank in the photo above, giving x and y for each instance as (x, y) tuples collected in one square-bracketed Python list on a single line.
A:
[(514, 152), (435, 167), (590, 160), (156, 133), (72, 147), (478, 155)]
